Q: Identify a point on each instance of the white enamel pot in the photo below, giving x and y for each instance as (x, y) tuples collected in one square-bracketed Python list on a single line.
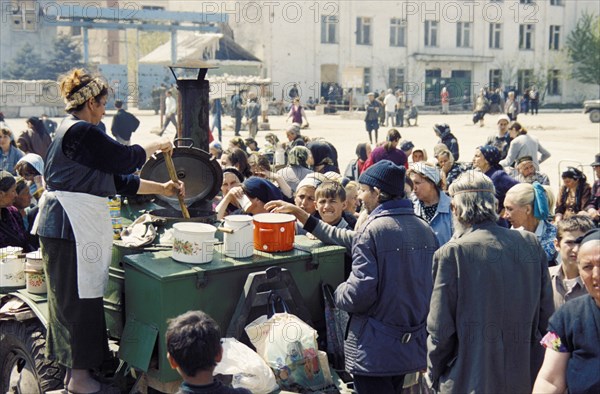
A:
[(34, 273), (193, 242), (12, 268), (239, 242)]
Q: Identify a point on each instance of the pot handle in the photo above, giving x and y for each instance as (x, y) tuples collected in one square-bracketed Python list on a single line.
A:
[(176, 140)]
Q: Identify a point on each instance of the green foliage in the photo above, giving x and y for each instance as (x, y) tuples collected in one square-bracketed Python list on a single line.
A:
[(583, 48), (29, 65), (65, 56)]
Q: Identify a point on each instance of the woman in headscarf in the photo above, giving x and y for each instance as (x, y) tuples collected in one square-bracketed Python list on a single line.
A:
[(449, 168), (31, 168), (528, 206), (324, 156), (84, 166), (35, 139), (252, 196), (574, 195), (429, 200), (12, 229), (299, 162), (487, 159)]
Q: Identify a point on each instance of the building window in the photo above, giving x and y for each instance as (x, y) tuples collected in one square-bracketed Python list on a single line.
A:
[(397, 32), (363, 31), (524, 79), (396, 78), (366, 80), (329, 29), (431, 34), (463, 34), (554, 88), (556, 2), (24, 16), (525, 36), (496, 35), (153, 8), (495, 79), (526, 1), (554, 43)]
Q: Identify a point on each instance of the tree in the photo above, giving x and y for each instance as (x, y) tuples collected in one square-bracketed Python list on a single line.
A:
[(583, 48), (27, 65), (65, 56), (30, 65)]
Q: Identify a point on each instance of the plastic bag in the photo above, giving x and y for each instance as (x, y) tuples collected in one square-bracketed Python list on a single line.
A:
[(289, 346), (336, 321), (248, 369)]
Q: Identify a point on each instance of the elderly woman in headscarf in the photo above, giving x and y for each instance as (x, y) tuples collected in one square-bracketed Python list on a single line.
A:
[(486, 160), (574, 195), (429, 200), (31, 168), (528, 206), (449, 168), (299, 162), (324, 156), (231, 178), (12, 229)]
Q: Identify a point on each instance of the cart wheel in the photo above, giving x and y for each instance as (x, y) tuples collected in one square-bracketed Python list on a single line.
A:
[(23, 367), (595, 115)]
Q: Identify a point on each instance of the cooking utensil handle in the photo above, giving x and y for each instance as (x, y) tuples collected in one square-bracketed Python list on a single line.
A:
[(176, 140), (225, 230), (173, 176)]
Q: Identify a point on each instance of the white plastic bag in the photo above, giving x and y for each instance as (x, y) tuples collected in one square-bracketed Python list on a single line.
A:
[(289, 346), (248, 369)]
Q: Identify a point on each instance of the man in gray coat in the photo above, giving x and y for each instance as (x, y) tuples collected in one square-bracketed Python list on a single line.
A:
[(491, 299)]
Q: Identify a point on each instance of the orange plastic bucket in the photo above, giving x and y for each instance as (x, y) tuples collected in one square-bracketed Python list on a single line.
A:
[(274, 232)]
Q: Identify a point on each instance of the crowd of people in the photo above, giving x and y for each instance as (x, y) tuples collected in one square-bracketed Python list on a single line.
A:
[(451, 267)]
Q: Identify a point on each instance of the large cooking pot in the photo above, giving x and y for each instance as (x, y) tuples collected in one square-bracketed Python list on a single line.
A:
[(274, 232), (12, 268), (200, 172), (238, 242), (193, 242)]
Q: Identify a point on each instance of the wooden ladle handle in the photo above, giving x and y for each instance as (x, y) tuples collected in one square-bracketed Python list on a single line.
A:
[(173, 176)]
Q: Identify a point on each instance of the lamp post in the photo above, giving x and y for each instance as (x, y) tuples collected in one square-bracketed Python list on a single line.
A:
[(193, 109)]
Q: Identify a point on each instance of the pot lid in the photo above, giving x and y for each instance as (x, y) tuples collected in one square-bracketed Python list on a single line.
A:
[(272, 218), (201, 174)]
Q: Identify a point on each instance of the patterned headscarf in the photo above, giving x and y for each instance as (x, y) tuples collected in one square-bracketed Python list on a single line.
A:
[(92, 89), (491, 154)]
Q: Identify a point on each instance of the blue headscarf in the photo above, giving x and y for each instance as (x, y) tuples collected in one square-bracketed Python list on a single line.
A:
[(491, 154), (540, 202), (262, 189)]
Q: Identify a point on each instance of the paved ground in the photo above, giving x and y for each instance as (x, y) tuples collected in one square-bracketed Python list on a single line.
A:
[(570, 137)]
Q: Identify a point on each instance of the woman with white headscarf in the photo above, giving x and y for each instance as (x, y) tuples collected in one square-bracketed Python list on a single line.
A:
[(429, 200)]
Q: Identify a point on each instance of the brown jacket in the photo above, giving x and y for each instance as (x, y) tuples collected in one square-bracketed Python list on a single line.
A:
[(31, 142)]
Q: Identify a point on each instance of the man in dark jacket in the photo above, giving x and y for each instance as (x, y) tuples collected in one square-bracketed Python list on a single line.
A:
[(389, 287), (123, 124), (447, 138), (491, 300)]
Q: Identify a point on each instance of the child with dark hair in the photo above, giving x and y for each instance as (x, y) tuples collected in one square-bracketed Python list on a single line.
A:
[(194, 349)]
